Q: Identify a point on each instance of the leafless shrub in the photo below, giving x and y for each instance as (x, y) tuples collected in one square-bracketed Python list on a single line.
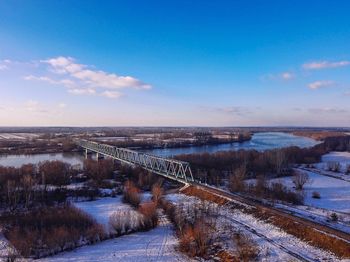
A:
[(125, 221), (316, 194), (149, 215), (300, 179), (157, 192), (246, 248), (347, 170), (131, 194), (333, 166), (195, 224), (334, 217)]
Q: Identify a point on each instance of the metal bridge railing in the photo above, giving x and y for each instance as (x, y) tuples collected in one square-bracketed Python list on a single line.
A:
[(170, 168)]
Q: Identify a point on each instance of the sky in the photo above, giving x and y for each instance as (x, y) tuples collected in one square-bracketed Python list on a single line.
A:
[(174, 63)]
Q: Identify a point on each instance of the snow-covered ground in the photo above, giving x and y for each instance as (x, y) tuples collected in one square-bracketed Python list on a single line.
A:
[(274, 244), (335, 193), (158, 244), (103, 208), (155, 245), (5, 248), (17, 136), (343, 158)]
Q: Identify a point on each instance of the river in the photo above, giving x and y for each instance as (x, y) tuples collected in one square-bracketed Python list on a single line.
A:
[(259, 141)]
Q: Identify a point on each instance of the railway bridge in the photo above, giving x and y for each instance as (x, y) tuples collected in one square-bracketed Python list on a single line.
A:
[(166, 167)]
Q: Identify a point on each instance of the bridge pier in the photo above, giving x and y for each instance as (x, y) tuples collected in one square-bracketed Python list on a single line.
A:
[(86, 153)]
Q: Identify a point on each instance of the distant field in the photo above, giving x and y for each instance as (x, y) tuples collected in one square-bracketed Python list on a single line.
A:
[(17, 136)]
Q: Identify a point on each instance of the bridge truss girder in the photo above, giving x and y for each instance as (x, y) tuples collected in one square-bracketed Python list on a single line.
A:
[(170, 168)]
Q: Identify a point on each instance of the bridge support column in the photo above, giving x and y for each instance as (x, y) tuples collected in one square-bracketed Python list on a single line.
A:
[(97, 156), (86, 153)]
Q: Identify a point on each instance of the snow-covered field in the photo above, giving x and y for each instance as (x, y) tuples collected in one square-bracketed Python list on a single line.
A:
[(155, 245), (158, 244), (343, 158), (103, 208), (17, 136), (274, 244), (335, 193)]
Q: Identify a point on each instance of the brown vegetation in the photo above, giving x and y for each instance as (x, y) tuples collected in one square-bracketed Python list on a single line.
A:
[(301, 230), (157, 193), (98, 170), (319, 135), (131, 194), (49, 230), (195, 226), (54, 173), (216, 168), (246, 248), (148, 211)]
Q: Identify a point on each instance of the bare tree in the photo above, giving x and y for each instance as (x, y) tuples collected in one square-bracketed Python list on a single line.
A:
[(280, 161), (27, 184), (157, 192), (13, 194), (347, 170), (236, 181), (300, 179), (333, 166)]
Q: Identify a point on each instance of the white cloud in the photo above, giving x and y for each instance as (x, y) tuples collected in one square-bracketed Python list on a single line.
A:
[(325, 64), (81, 79), (4, 64), (82, 91), (287, 76), (320, 84), (66, 82), (111, 94), (62, 105), (93, 78)]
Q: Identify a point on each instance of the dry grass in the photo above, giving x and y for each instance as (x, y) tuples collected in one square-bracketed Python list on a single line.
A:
[(304, 232)]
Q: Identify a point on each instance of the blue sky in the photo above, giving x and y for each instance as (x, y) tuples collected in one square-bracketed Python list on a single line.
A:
[(207, 63)]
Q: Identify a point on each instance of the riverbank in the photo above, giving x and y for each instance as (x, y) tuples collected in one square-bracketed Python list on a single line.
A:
[(319, 135)]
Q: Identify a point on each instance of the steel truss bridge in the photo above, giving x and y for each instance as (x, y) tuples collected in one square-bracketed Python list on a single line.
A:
[(170, 168)]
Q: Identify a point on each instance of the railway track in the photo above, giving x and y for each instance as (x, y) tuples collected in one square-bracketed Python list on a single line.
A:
[(271, 241), (254, 203)]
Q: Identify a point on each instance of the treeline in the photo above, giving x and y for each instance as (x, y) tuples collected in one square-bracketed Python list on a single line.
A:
[(46, 231), (36, 146), (45, 183), (174, 141), (217, 167)]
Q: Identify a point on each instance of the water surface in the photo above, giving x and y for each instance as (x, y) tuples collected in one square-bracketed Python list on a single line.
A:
[(19, 160), (259, 141)]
